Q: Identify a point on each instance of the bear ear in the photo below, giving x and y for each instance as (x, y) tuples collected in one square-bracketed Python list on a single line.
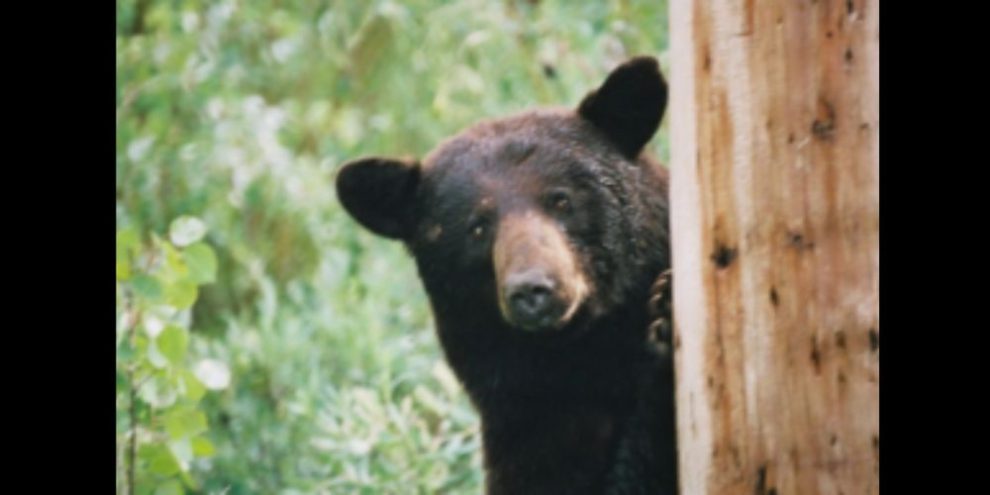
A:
[(629, 104), (379, 193)]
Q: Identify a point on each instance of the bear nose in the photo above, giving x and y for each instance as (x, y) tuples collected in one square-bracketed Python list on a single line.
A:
[(531, 299)]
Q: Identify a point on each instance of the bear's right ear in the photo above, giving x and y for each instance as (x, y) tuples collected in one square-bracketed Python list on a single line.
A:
[(629, 105), (379, 194)]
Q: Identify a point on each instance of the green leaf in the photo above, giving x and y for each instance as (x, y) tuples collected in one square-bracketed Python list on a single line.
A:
[(147, 287), (175, 266), (127, 243), (157, 393), (127, 246), (124, 350), (183, 453), (155, 356), (172, 343), (181, 294), (202, 263), (202, 447), (184, 422), (159, 458), (186, 230), (188, 481), (192, 387), (170, 487), (123, 269)]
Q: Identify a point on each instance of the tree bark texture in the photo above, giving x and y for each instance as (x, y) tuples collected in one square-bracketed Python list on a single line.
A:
[(775, 134)]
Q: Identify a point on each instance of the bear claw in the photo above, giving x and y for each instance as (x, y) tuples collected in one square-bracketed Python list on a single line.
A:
[(659, 310)]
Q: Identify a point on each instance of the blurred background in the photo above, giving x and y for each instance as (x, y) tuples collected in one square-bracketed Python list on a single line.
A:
[(265, 343)]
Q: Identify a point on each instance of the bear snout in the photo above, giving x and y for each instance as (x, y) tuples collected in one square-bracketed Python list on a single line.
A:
[(533, 302), (539, 279)]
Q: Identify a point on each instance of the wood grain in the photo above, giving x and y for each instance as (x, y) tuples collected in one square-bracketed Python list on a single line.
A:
[(775, 137)]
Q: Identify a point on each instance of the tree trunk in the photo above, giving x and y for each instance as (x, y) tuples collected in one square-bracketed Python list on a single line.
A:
[(775, 201)]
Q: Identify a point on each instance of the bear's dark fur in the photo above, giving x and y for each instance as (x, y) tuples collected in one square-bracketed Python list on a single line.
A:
[(537, 238)]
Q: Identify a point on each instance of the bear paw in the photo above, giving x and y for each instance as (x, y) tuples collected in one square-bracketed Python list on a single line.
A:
[(660, 312)]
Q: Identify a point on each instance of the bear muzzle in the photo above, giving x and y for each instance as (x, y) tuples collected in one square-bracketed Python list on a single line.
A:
[(532, 301), (540, 284)]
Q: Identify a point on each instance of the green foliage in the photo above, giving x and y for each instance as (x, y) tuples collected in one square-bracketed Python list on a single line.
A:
[(161, 423), (283, 349)]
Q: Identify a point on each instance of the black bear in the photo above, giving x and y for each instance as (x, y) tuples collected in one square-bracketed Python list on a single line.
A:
[(538, 238)]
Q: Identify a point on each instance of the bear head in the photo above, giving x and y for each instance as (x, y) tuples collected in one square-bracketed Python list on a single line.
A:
[(537, 224)]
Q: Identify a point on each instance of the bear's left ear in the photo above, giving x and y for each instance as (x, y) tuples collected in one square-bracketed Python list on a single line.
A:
[(629, 104), (379, 194)]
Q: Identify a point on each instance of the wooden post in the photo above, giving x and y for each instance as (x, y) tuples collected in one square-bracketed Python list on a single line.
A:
[(775, 200)]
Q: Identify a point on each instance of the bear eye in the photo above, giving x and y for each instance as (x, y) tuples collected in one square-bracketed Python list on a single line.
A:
[(478, 229), (560, 201)]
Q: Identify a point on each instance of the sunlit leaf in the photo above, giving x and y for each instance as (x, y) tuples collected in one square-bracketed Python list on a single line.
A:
[(159, 458), (214, 374), (174, 267), (181, 294), (153, 325), (155, 355), (171, 487), (202, 263), (193, 388), (127, 242), (172, 342), (202, 447), (123, 269), (186, 230), (157, 393), (184, 422)]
